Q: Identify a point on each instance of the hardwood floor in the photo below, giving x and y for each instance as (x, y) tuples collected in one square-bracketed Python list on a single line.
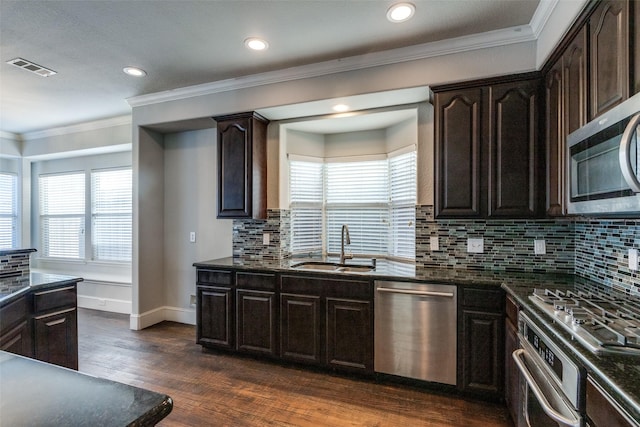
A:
[(216, 389)]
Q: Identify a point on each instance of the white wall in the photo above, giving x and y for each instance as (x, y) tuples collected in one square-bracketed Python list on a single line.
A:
[(190, 177), (10, 145)]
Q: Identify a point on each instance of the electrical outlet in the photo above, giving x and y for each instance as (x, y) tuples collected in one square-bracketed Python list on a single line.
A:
[(434, 243), (539, 247), (475, 246), (266, 238), (633, 259), (192, 299), (192, 237)]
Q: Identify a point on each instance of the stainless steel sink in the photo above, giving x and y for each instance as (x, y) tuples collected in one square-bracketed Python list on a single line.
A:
[(332, 266)]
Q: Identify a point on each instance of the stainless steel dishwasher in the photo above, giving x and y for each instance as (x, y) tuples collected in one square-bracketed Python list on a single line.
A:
[(415, 330)]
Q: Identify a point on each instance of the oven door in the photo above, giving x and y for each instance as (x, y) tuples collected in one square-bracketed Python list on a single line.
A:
[(542, 404)]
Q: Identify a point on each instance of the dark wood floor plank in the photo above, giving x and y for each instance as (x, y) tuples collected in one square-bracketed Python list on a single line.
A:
[(218, 389)]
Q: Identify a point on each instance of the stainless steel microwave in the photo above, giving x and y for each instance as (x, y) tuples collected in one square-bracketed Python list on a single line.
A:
[(603, 163)]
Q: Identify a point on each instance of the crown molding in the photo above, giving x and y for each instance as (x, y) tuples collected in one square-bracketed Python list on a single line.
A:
[(10, 136), (541, 16), (81, 127), (411, 53)]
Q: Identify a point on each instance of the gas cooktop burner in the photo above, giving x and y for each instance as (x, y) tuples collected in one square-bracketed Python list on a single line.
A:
[(602, 323)]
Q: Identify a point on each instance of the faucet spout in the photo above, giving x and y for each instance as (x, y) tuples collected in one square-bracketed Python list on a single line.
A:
[(344, 235)]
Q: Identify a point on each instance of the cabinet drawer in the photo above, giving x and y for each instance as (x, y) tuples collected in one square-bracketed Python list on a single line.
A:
[(490, 299), (301, 285), (54, 299), (355, 289), (259, 281), (218, 277)]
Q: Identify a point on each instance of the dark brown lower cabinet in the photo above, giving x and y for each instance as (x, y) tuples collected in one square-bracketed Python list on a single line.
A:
[(56, 338), (481, 342), (512, 381), (256, 321), (349, 334), (300, 328), (215, 316), (18, 340), (601, 411)]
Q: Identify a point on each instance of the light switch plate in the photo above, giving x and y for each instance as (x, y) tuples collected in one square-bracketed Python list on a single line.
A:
[(633, 259), (539, 247), (434, 243), (266, 238), (475, 246)]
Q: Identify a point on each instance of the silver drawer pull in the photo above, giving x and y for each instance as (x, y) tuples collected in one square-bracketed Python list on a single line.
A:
[(518, 356), (412, 292)]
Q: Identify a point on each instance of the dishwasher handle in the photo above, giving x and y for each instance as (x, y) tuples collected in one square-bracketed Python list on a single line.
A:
[(518, 357), (415, 292)]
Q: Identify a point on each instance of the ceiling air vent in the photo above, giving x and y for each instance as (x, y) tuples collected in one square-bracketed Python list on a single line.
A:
[(30, 66)]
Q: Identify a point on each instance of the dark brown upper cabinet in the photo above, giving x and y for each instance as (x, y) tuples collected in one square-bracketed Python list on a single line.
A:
[(242, 166), (609, 39), (487, 150), (458, 145), (565, 94)]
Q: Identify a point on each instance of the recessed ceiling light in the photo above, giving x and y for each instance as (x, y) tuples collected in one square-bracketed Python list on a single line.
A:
[(340, 108), (400, 12), (134, 71), (256, 44)]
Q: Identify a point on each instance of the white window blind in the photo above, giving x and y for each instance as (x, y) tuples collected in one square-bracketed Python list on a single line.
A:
[(306, 196), (375, 198), (62, 215), (358, 196), (111, 218), (403, 184), (8, 210)]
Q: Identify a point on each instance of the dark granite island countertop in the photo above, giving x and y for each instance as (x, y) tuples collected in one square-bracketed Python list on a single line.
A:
[(12, 288), (34, 393)]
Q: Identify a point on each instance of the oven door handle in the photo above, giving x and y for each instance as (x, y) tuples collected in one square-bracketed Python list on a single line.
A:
[(518, 356), (625, 155)]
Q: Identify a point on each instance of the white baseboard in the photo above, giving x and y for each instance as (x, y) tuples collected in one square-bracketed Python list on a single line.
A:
[(104, 304), (157, 315)]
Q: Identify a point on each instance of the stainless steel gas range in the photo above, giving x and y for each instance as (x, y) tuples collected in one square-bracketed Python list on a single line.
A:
[(565, 332), (600, 322)]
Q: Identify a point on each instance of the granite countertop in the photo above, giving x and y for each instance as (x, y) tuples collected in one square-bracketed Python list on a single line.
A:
[(39, 394), (390, 270), (12, 288), (7, 252), (618, 374)]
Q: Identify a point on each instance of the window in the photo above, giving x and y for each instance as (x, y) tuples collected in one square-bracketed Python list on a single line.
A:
[(111, 214), (8, 210), (375, 198), (68, 223), (62, 215)]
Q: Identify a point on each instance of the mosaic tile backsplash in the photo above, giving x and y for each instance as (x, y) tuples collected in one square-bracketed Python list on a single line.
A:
[(602, 252), (14, 265), (593, 248)]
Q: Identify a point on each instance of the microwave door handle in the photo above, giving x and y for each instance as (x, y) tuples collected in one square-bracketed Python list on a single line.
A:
[(518, 356), (625, 155)]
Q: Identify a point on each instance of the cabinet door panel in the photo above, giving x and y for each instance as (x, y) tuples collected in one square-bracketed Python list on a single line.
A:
[(513, 152), (300, 329), (234, 152), (458, 153), (349, 343), (574, 76), (483, 352), (56, 338), (609, 35), (215, 319), (555, 141), (256, 321)]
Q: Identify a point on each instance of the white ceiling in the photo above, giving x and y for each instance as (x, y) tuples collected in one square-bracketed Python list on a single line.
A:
[(184, 43)]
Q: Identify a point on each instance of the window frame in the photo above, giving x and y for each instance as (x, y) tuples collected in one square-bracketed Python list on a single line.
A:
[(14, 214)]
